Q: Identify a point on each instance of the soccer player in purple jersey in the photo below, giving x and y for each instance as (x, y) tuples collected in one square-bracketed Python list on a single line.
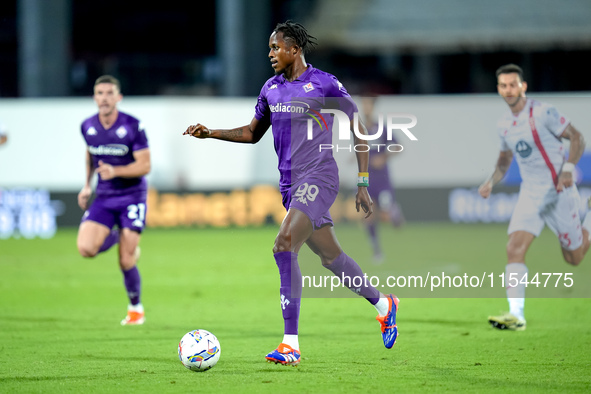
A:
[(117, 150), (381, 188), (308, 179)]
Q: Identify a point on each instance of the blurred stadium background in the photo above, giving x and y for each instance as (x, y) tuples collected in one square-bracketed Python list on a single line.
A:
[(185, 62)]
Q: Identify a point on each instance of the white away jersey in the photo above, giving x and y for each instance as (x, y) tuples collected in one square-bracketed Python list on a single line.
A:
[(534, 138)]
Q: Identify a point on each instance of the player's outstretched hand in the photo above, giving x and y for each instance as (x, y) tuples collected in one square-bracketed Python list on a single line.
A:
[(363, 200), (197, 131), (485, 189), (105, 171)]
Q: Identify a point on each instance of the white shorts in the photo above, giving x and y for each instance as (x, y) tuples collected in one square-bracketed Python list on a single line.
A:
[(560, 211)]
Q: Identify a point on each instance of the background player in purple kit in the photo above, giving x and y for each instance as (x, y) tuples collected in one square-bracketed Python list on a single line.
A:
[(381, 188), (308, 178), (117, 150)]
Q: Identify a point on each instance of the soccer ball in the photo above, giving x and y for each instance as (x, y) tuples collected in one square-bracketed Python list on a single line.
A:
[(199, 350)]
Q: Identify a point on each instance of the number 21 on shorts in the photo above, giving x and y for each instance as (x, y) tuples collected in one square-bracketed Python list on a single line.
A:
[(137, 213)]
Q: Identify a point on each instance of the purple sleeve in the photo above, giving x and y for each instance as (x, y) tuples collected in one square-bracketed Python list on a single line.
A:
[(83, 128), (345, 102), (141, 140), (261, 110)]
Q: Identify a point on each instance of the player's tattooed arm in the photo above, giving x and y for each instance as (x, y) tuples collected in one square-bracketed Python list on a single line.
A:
[(250, 133), (240, 134), (232, 135), (200, 131)]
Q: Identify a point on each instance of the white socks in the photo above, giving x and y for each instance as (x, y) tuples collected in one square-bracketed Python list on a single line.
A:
[(514, 272), (382, 306), (291, 340), (136, 308)]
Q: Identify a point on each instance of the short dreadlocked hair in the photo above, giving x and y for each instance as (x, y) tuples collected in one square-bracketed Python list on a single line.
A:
[(295, 33)]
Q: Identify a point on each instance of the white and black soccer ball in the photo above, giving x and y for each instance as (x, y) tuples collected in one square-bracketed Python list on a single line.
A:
[(199, 350)]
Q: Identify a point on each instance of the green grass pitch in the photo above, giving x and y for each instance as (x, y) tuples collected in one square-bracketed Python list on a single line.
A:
[(60, 332)]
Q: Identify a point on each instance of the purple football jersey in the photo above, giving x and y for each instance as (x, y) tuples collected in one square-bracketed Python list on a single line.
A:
[(115, 146), (291, 107)]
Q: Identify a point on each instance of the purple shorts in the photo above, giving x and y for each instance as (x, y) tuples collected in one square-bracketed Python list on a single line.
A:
[(314, 197), (127, 211)]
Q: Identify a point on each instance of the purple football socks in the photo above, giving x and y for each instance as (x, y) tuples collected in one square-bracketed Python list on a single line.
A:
[(132, 281), (290, 290), (351, 276)]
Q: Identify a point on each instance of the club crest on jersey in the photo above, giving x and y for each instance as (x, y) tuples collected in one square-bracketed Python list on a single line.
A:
[(308, 87), (553, 113), (91, 131), (523, 149), (121, 132)]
